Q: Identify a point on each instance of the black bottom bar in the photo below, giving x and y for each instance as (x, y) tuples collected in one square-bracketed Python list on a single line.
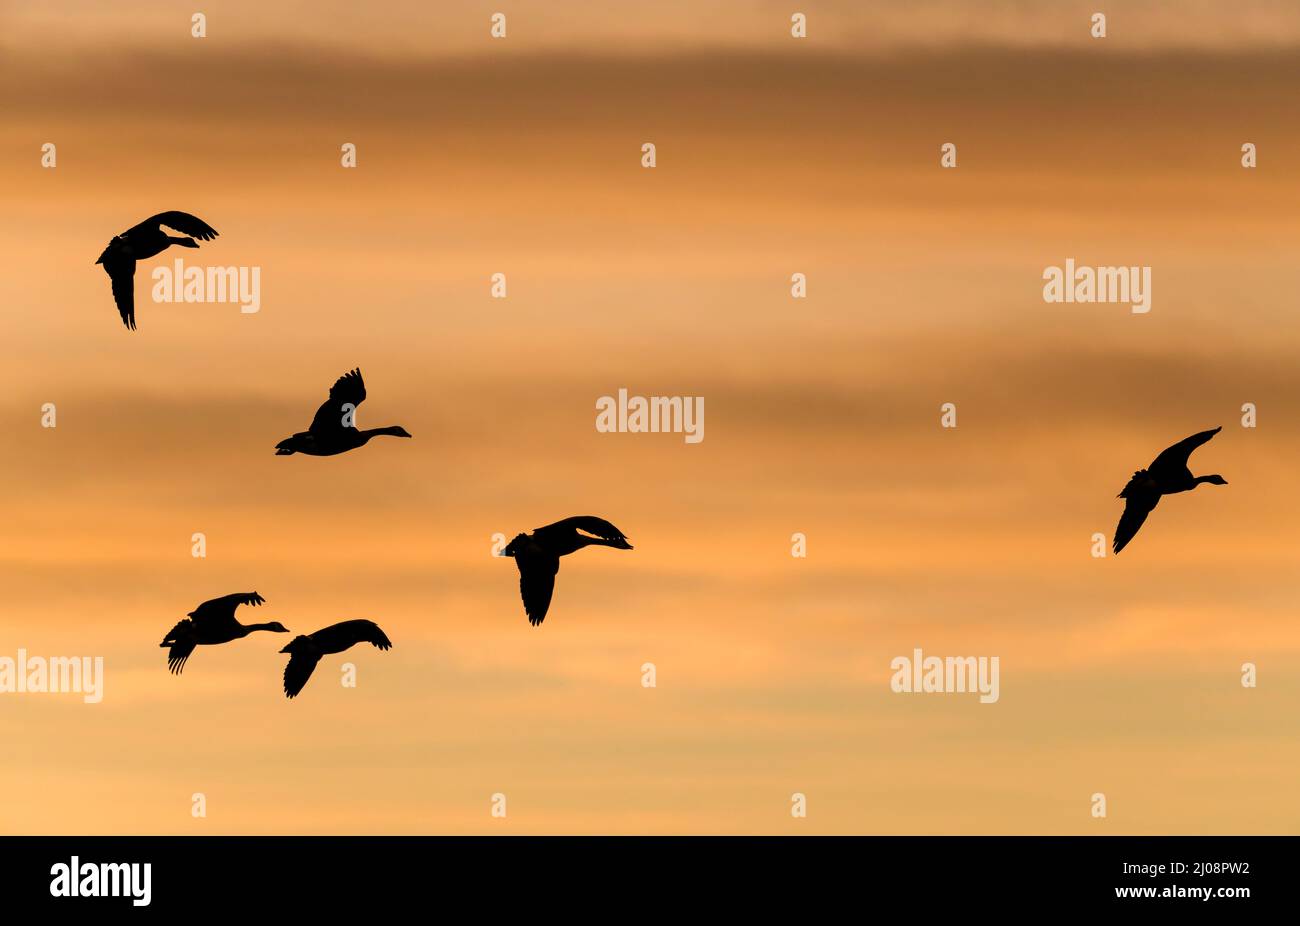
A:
[(544, 877)]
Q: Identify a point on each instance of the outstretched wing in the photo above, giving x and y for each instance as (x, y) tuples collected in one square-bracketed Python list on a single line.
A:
[(369, 632), (350, 389), (176, 656), (181, 640), (598, 527), (299, 669), (222, 610), (121, 271), (537, 584), (1175, 458), (1140, 499), (234, 600), (340, 636), (183, 222)]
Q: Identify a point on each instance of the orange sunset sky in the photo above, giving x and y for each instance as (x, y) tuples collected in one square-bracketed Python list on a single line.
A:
[(521, 155)]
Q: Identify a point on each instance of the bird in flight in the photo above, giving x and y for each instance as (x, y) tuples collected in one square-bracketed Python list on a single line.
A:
[(538, 556), (334, 429), (142, 242), (1168, 474), (210, 623), (306, 651)]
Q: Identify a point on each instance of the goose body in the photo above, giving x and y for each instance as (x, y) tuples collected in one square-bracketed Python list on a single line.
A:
[(306, 650), (212, 623), (333, 430), (140, 242), (1168, 474), (537, 556)]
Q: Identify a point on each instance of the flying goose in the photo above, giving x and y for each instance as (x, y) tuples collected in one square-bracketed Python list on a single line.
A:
[(306, 651), (334, 428), (141, 242), (538, 556), (210, 623), (1167, 475)]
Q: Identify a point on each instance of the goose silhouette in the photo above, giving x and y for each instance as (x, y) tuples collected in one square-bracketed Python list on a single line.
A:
[(334, 428), (211, 623), (1167, 475), (141, 242), (306, 651), (538, 556)]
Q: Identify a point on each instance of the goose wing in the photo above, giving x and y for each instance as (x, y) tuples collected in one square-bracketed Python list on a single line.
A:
[(349, 389), (598, 527), (121, 272), (1175, 458), (183, 222), (537, 584), (1140, 500), (180, 639), (370, 632), (348, 633), (299, 669), (222, 610)]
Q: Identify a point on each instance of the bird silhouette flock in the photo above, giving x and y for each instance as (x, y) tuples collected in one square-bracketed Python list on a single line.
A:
[(333, 430)]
